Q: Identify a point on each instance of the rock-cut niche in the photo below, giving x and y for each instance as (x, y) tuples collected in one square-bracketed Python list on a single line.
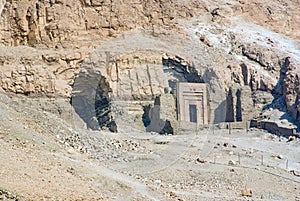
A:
[(122, 91)]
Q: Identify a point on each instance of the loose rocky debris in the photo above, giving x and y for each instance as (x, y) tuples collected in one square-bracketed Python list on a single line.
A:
[(295, 173), (232, 162), (54, 50), (225, 145), (292, 138), (241, 70), (280, 157), (7, 196), (199, 160), (247, 193), (231, 170)]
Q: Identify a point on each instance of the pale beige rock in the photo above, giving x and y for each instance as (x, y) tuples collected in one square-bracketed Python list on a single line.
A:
[(246, 192), (163, 115), (225, 57), (192, 103)]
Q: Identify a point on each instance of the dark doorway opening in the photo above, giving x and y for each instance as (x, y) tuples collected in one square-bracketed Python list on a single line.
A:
[(193, 113)]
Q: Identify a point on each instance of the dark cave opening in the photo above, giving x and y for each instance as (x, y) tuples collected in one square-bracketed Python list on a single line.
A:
[(180, 71), (102, 105)]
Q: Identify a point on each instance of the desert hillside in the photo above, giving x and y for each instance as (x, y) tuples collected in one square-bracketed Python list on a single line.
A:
[(80, 78)]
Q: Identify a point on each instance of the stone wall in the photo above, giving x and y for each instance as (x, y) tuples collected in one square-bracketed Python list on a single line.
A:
[(239, 104)]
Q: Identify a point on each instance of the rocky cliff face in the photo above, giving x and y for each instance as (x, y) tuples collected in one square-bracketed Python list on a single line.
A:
[(27, 71), (120, 50), (85, 23), (291, 90)]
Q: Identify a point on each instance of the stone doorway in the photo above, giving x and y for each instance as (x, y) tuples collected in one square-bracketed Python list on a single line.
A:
[(193, 113), (192, 103)]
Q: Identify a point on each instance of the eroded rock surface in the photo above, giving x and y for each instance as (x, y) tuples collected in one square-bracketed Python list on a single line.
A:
[(139, 48), (100, 64)]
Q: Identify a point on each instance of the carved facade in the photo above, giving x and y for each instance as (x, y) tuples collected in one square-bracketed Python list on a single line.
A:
[(192, 103)]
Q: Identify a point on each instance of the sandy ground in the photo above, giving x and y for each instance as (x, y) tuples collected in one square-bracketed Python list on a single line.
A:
[(45, 157)]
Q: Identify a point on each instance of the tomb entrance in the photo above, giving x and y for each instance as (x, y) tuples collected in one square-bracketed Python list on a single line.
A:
[(192, 102)]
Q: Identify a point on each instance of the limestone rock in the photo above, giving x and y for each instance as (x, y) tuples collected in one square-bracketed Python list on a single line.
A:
[(291, 91), (63, 23), (163, 117), (231, 162), (125, 86), (36, 73), (247, 192), (155, 45), (239, 104)]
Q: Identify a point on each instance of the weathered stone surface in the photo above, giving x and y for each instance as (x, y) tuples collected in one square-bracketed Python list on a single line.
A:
[(240, 106), (84, 96), (163, 115), (246, 192), (94, 17), (125, 83), (272, 121), (63, 23), (291, 91), (192, 103), (37, 73), (210, 46)]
